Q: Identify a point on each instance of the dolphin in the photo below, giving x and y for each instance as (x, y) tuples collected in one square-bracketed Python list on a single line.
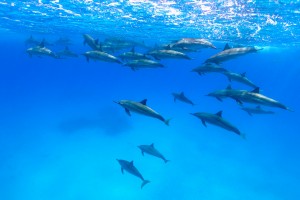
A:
[(193, 43), (166, 54), (91, 42), (32, 41), (182, 97), (246, 96), (143, 63), (41, 50), (217, 120), (101, 56), (132, 55), (209, 68), (64, 41), (150, 149), (67, 53), (141, 108), (230, 53), (256, 110), (239, 78), (130, 168)]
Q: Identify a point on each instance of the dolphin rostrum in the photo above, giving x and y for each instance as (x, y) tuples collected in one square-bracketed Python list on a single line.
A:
[(130, 168), (141, 108), (217, 120), (150, 149)]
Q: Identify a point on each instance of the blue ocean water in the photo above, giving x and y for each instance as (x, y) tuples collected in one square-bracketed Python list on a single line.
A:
[(61, 132)]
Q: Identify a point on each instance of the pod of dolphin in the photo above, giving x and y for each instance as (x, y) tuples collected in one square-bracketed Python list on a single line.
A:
[(175, 50)]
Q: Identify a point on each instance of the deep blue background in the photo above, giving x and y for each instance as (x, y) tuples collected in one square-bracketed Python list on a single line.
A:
[(61, 132)]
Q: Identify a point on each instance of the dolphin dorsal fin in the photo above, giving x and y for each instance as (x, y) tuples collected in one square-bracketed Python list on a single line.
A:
[(226, 47), (219, 113), (168, 47), (131, 163), (256, 90), (182, 94), (144, 102), (132, 50), (42, 44), (96, 41), (243, 74), (152, 145), (228, 87)]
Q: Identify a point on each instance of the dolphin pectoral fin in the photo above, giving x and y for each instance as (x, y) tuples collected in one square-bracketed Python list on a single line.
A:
[(122, 170), (156, 58), (175, 99), (143, 153), (127, 111), (144, 183), (87, 58), (229, 79), (219, 99), (203, 122)]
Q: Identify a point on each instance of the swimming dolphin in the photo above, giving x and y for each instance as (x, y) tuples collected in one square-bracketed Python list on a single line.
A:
[(166, 54), (64, 41), (209, 68), (143, 63), (182, 97), (132, 55), (32, 41), (239, 78), (67, 53), (253, 97), (193, 43), (130, 168), (256, 110), (150, 149), (217, 120), (41, 50), (141, 108), (230, 53), (91, 42), (101, 56)]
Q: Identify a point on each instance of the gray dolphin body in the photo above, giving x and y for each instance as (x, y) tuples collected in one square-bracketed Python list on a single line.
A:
[(91, 42), (239, 78), (143, 63), (101, 56), (182, 97), (256, 110), (41, 50), (231, 53), (192, 43), (150, 149), (217, 120), (130, 168), (141, 108), (253, 97), (67, 53), (168, 54), (209, 68), (132, 55)]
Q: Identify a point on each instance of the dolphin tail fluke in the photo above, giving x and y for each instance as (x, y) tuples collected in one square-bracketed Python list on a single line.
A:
[(290, 110), (144, 183), (243, 135), (166, 161), (167, 122)]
